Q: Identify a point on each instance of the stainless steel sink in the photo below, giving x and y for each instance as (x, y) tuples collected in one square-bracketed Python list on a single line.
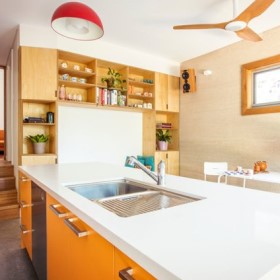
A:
[(126, 198), (112, 188), (135, 204)]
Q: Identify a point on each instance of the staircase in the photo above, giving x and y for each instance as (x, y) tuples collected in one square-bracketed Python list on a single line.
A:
[(9, 208)]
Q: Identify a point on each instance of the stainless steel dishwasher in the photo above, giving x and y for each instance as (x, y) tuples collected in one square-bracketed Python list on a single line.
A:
[(39, 248)]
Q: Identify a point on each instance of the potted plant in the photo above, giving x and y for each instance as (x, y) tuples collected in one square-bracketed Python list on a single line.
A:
[(163, 139), (39, 142), (113, 79)]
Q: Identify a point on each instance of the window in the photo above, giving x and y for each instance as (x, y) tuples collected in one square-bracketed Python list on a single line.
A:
[(261, 86)]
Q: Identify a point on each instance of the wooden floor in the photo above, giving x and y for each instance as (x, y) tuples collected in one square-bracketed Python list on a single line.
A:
[(15, 263)]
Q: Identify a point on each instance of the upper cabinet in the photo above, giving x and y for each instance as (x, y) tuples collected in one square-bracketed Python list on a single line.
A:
[(167, 93), (38, 73)]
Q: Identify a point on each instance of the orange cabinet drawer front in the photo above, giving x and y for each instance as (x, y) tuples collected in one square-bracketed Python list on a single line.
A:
[(25, 213), (121, 261)]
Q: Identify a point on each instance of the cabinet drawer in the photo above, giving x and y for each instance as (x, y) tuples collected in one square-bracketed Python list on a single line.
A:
[(122, 262)]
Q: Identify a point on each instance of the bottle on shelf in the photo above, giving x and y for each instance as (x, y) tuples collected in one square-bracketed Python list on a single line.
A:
[(62, 93)]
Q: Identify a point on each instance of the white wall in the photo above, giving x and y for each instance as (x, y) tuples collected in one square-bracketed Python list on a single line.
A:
[(46, 37), (2, 99), (212, 127), (87, 134)]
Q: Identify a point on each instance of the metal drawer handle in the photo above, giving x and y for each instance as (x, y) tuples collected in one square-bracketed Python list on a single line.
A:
[(23, 204), (70, 223), (24, 229), (126, 274), (55, 209), (24, 179)]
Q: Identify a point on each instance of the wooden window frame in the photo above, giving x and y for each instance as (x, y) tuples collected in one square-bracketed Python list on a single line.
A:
[(247, 71)]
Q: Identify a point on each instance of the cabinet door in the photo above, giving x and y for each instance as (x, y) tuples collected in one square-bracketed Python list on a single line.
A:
[(173, 162), (25, 213), (173, 94), (38, 73), (161, 90), (161, 156), (121, 262), (71, 257), (58, 242), (92, 255), (171, 159)]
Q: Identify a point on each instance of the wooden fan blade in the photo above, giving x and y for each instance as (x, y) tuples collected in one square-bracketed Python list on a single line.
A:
[(254, 10), (248, 34), (201, 26)]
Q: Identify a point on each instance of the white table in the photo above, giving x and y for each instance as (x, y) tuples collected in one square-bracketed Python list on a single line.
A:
[(270, 176)]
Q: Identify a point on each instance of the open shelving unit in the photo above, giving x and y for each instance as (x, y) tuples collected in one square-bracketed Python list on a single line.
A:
[(154, 94), (71, 69)]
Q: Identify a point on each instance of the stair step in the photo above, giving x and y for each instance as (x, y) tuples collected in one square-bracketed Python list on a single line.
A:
[(7, 183), (10, 211), (6, 171), (4, 162), (8, 197)]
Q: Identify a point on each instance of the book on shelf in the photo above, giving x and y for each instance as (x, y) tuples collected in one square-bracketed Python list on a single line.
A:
[(164, 125), (106, 96)]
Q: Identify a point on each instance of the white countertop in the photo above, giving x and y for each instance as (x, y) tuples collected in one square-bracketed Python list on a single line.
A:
[(233, 234)]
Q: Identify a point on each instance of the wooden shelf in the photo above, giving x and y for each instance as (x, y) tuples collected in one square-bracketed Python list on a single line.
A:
[(136, 96), (75, 84), (40, 155), (141, 84), (44, 124), (75, 73), (119, 89), (167, 128), (169, 150), (38, 101)]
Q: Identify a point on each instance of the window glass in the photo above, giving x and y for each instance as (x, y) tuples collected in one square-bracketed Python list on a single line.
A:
[(266, 87)]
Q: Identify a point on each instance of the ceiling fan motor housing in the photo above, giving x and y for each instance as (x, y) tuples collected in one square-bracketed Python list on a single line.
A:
[(236, 25)]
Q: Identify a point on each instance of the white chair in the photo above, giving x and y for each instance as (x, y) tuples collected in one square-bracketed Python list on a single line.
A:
[(215, 169)]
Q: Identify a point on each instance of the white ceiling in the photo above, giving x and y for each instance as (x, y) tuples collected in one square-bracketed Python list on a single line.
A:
[(144, 25)]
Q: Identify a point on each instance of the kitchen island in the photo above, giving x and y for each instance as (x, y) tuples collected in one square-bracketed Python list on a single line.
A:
[(232, 233)]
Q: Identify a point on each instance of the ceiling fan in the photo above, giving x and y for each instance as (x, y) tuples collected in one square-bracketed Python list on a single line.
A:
[(239, 24)]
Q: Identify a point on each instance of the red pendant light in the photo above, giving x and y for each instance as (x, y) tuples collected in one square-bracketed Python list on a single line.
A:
[(77, 21)]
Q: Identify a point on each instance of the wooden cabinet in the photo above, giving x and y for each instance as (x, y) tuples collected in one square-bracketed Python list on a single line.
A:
[(89, 256), (123, 262), (25, 213), (167, 118), (167, 93), (38, 85), (171, 159), (38, 73), (173, 93)]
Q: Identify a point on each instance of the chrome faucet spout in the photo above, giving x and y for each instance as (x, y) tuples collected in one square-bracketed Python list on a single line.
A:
[(159, 178)]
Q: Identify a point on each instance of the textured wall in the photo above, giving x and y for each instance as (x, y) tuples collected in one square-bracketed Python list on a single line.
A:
[(212, 127)]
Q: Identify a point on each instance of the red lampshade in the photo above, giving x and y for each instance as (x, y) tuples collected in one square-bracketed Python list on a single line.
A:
[(77, 21)]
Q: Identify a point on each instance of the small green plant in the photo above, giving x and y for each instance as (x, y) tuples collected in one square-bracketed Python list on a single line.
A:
[(39, 138), (113, 79), (163, 136)]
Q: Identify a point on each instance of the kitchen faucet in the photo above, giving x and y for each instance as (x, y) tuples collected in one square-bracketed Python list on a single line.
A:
[(159, 178)]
